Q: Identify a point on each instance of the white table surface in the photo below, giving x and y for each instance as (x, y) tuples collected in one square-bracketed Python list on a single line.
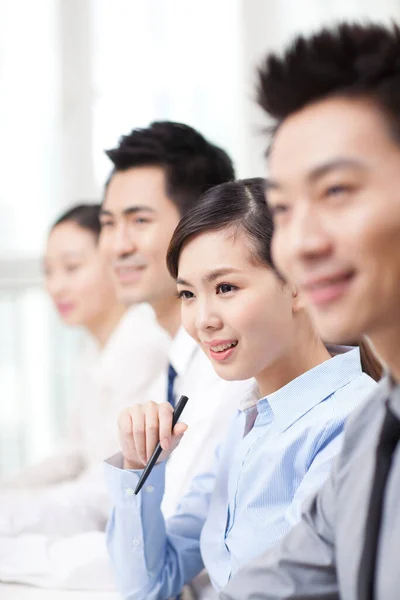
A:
[(25, 592)]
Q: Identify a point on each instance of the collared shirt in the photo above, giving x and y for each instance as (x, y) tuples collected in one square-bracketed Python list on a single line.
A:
[(320, 557), (252, 497), (212, 401), (53, 514)]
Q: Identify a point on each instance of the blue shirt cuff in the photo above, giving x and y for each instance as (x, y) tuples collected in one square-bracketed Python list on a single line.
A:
[(121, 483)]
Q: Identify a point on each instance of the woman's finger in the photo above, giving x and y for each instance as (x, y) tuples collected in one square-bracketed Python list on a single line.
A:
[(179, 429), (165, 424), (138, 431), (178, 433), (152, 428)]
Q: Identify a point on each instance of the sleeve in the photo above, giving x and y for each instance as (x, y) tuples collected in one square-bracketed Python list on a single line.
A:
[(152, 558), (329, 445), (65, 464), (302, 566), (61, 510), (73, 562)]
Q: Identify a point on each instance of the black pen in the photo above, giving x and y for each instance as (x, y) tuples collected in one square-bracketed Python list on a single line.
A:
[(156, 454)]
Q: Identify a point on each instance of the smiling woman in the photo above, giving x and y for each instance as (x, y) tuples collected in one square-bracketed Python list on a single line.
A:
[(230, 300), (234, 301), (59, 504), (75, 275), (280, 444)]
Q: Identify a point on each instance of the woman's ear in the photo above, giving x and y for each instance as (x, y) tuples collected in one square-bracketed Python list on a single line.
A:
[(298, 300)]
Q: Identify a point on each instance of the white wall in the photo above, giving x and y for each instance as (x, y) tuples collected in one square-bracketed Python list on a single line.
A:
[(270, 25)]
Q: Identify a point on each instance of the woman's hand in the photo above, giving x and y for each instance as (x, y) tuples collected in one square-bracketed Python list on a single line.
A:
[(141, 427)]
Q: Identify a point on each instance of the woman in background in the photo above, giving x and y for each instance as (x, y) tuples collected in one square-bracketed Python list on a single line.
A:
[(123, 352)]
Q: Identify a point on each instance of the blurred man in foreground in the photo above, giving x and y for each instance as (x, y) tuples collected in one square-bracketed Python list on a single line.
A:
[(334, 166)]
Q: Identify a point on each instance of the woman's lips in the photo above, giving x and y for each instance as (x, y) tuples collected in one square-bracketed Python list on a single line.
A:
[(64, 308), (218, 352)]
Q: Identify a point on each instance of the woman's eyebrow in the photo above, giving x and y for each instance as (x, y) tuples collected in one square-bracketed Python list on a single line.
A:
[(211, 276), (216, 273), (183, 282)]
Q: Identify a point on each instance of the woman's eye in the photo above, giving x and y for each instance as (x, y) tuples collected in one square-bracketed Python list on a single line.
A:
[(185, 294), (71, 268), (225, 288), (141, 220)]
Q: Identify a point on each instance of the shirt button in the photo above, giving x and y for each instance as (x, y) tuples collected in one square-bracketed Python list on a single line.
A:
[(149, 488), (129, 491), (135, 543)]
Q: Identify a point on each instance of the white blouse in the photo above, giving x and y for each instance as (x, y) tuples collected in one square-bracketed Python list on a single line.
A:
[(53, 515)]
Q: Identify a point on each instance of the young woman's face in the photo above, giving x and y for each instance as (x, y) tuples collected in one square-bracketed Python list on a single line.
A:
[(75, 276), (237, 310)]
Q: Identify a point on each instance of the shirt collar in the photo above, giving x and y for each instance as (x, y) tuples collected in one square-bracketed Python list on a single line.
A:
[(251, 398), (182, 350), (391, 389), (290, 403)]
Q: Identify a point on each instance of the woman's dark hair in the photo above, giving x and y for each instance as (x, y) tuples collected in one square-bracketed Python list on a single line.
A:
[(369, 361), (192, 164), (85, 216), (241, 205)]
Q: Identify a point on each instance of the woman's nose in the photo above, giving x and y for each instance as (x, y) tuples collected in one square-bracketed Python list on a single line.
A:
[(207, 317)]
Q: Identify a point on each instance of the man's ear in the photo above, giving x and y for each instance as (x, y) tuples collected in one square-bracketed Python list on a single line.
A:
[(298, 300)]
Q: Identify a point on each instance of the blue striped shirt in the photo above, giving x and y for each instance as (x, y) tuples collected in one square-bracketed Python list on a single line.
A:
[(251, 499)]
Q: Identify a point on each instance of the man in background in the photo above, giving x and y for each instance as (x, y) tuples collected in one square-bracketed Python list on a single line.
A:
[(159, 173)]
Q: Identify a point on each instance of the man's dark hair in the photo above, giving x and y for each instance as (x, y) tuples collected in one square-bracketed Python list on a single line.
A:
[(86, 216), (192, 164), (350, 59)]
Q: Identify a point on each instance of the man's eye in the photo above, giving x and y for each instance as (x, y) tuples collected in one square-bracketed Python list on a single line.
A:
[(337, 190), (141, 220), (225, 288), (278, 209), (106, 224), (185, 294)]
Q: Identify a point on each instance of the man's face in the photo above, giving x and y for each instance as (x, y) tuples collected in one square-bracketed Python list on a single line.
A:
[(137, 223), (335, 194)]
